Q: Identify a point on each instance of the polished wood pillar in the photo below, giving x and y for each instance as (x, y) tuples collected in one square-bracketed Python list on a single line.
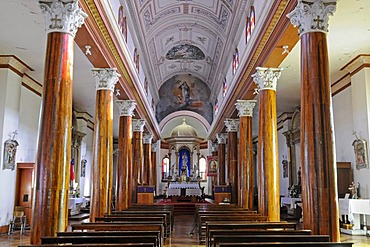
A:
[(232, 126), (246, 170), (268, 166), (102, 162), (124, 160), (221, 140), (147, 166), (319, 179), (153, 175), (137, 144), (52, 170)]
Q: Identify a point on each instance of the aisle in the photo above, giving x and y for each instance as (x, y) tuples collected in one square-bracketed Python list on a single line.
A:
[(181, 232)]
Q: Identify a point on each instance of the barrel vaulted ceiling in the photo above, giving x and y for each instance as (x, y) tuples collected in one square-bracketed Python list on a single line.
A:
[(186, 36)]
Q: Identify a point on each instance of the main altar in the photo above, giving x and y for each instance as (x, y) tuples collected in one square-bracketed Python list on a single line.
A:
[(184, 192)]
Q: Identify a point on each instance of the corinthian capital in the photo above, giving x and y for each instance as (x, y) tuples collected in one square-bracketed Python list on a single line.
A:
[(221, 138), (105, 79), (245, 107), (312, 15), (62, 17), (232, 125), (126, 107), (266, 78), (147, 138), (138, 125)]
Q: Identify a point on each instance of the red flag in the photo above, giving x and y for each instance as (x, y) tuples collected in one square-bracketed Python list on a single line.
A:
[(72, 169)]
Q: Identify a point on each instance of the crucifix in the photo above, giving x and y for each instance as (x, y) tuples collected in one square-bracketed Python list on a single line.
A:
[(318, 21), (56, 20)]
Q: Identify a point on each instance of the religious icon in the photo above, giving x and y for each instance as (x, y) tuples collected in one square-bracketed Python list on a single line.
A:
[(10, 150), (285, 168), (360, 148), (212, 165), (83, 167)]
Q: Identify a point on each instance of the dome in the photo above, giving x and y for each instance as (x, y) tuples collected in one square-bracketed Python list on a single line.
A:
[(184, 130)]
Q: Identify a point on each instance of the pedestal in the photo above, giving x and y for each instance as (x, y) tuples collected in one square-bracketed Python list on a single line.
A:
[(145, 195), (221, 192)]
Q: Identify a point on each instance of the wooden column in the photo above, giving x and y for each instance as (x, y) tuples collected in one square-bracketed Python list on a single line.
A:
[(319, 179), (153, 176), (221, 139), (268, 166), (137, 143), (246, 171), (147, 167), (232, 126), (102, 163), (124, 160), (52, 171)]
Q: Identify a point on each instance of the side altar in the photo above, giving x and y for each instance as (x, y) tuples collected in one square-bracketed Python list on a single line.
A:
[(355, 209)]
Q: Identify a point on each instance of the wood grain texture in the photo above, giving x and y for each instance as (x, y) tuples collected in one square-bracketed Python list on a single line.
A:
[(147, 165), (232, 157), (153, 178), (137, 144), (102, 163), (124, 162), (221, 163), (246, 163), (320, 201), (54, 140), (269, 172)]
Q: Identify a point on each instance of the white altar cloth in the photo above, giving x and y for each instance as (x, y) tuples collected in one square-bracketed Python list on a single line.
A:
[(191, 189), (290, 201), (354, 208), (174, 192), (183, 186), (75, 204)]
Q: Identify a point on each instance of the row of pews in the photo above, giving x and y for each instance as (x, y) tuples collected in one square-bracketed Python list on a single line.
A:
[(139, 225), (227, 225)]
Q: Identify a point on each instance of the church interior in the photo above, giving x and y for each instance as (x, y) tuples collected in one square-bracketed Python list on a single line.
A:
[(249, 111)]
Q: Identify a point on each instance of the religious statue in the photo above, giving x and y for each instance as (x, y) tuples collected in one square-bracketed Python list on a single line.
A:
[(10, 150), (353, 189)]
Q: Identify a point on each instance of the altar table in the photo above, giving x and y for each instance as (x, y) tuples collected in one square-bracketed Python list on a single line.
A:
[(184, 189), (75, 204), (354, 208)]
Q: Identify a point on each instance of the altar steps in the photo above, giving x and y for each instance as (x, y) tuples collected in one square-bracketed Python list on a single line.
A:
[(182, 208)]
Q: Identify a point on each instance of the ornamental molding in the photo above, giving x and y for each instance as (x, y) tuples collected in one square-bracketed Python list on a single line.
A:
[(105, 79), (147, 138), (214, 147), (138, 125), (312, 15), (221, 138), (232, 124), (266, 78), (126, 107), (62, 17), (245, 107)]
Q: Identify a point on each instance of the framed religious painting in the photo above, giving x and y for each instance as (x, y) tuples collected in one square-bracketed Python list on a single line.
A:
[(212, 166), (360, 149)]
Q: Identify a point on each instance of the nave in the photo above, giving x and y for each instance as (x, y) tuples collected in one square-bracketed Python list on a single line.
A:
[(180, 236)]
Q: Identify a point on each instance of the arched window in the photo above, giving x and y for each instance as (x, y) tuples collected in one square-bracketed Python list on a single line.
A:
[(136, 59), (224, 87), (203, 168), (122, 23), (165, 167), (235, 61), (250, 24)]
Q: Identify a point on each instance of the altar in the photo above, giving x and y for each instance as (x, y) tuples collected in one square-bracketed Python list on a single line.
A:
[(75, 204), (355, 209), (185, 191)]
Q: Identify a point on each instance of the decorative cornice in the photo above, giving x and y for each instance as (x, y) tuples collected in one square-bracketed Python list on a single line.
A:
[(312, 15), (266, 78), (232, 124), (32, 84), (356, 64), (105, 79), (138, 125), (15, 64), (147, 138), (62, 17), (245, 107), (126, 107), (221, 138)]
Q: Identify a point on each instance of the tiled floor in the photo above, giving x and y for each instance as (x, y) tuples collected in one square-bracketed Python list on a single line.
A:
[(180, 236)]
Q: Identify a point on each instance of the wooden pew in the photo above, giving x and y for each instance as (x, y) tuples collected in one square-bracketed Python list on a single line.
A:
[(235, 225), (160, 219), (232, 232), (203, 219), (288, 244), (236, 239), (92, 245), (92, 226), (99, 239), (157, 234)]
